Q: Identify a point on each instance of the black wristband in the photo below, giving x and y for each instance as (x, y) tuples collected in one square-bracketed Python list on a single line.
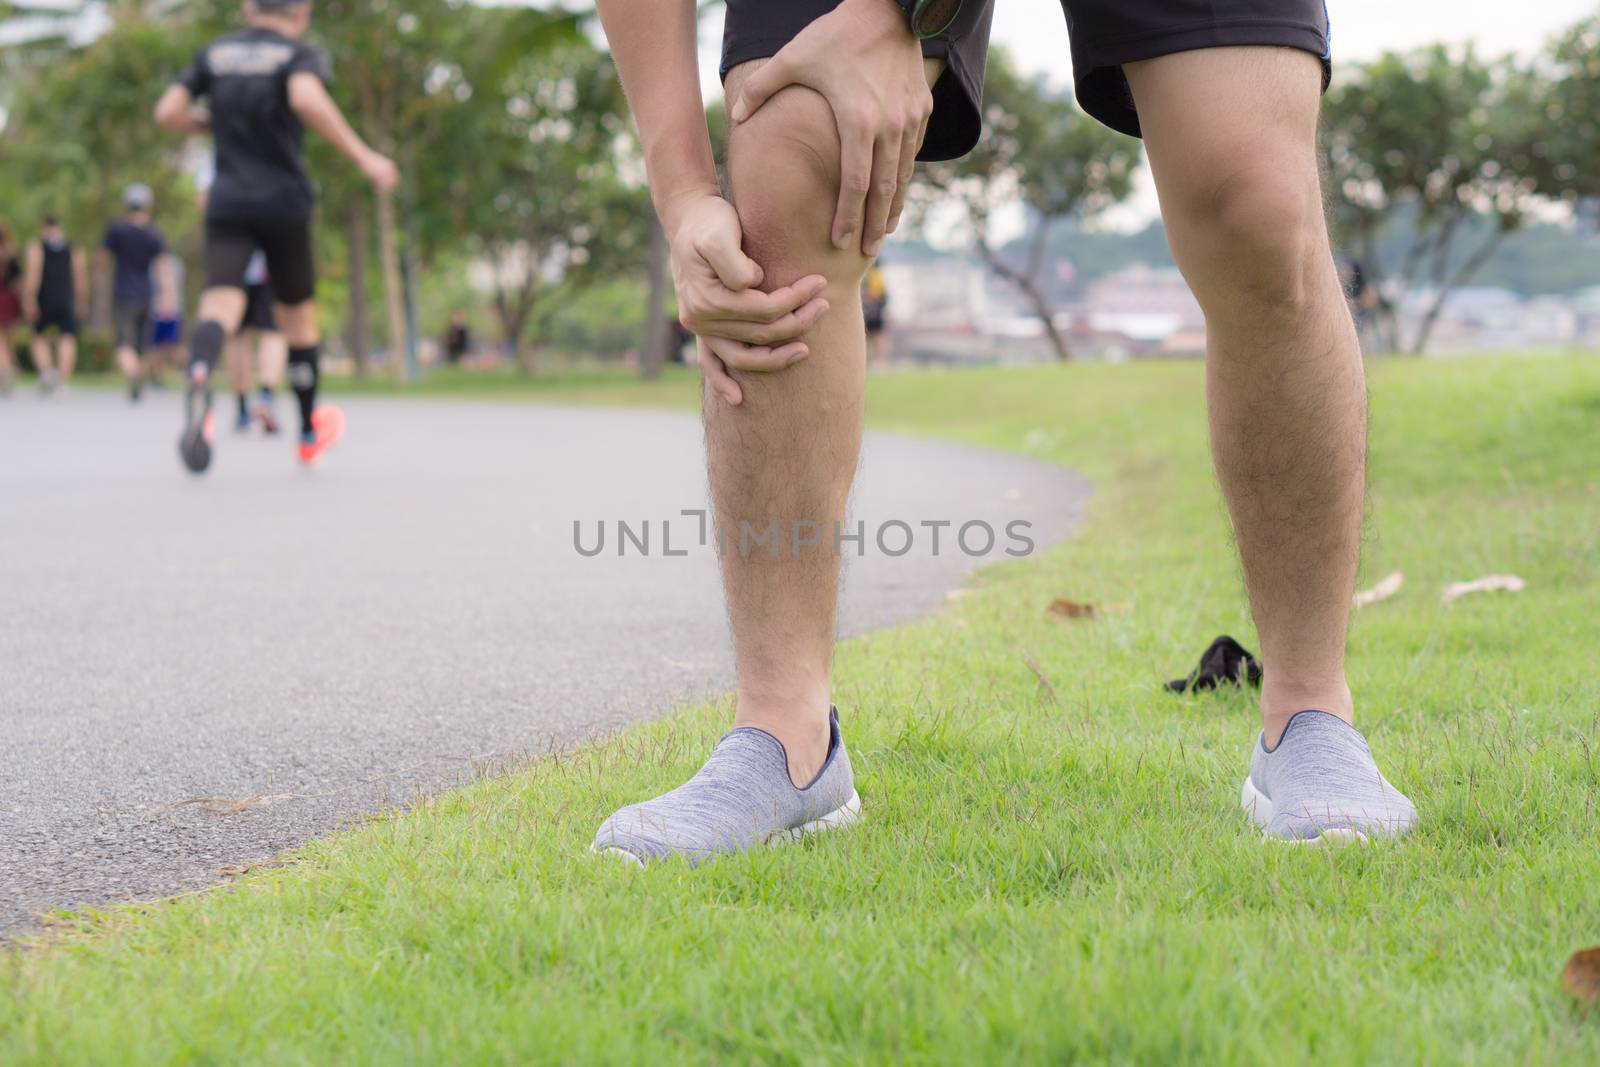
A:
[(930, 18)]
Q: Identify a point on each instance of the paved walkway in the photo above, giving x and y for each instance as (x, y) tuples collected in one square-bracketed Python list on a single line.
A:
[(355, 634)]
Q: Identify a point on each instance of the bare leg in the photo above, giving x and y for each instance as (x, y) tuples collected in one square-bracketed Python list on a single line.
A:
[(240, 361), (67, 354), (128, 362), (788, 453), (272, 354), (43, 361), (1231, 135)]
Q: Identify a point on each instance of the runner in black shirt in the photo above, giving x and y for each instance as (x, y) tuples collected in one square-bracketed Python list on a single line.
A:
[(265, 85)]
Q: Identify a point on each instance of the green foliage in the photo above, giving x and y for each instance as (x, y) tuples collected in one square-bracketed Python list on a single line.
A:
[(536, 180), (1444, 140), (80, 132), (506, 122), (1567, 86)]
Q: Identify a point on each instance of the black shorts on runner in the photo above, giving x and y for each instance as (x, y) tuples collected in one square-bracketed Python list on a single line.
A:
[(131, 318), (64, 320), (258, 310), (1104, 34), (286, 243)]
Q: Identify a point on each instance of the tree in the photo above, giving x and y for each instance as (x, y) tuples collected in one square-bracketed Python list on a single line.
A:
[(1041, 150), (1439, 138), (536, 182), (1559, 97)]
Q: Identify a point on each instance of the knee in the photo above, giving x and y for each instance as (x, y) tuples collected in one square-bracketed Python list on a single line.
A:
[(783, 170), (1255, 237)]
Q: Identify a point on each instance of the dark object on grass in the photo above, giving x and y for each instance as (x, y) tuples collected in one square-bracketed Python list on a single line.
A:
[(1225, 661), (1582, 977)]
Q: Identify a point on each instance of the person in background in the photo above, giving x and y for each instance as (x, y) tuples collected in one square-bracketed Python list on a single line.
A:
[(55, 281), (874, 310), (457, 338), (10, 305), (136, 252), (259, 348), (265, 85)]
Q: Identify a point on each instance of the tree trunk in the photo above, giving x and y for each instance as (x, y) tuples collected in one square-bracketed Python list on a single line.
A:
[(657, 336), (1030, 290), (1474, 263), (393, 286), (357, 334)]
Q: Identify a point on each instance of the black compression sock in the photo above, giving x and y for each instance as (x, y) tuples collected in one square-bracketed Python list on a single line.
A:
[(303, 379), (205, 345), (244, 406)]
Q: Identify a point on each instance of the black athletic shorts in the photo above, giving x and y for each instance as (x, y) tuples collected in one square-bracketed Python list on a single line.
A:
[(64, 319), (1108, 33), (258, 313), (757, 29), (1104, 33), (285, 242), (131, 318)]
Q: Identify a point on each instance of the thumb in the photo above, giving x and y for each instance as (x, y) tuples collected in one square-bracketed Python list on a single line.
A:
[(733, 268), (760, 86)]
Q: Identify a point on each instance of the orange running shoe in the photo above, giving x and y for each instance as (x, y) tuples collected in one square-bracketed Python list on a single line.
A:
[(327, 426)]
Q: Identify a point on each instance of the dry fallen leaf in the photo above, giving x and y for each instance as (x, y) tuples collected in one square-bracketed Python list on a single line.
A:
[(1582, 976), (1382, 591), (1062, 608), (1489, 583), (228, 806)]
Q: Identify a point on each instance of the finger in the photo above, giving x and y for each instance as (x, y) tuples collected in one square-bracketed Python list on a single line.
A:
[(716, 374), (727, 260), (755, 307), (756, 359), (885, 184), (855, 181), (909, 147), (779, 331), (759, 87)]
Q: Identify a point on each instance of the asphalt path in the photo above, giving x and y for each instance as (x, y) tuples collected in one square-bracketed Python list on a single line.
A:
[(344, 638)]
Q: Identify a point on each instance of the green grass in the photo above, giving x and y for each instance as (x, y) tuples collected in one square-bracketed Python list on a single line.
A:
[(1037, 880)]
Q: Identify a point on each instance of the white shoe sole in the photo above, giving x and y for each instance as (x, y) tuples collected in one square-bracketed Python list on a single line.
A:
[(1259, 808), (847, 814)]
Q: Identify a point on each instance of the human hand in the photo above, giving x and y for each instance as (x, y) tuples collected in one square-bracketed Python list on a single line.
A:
[(381, 171), (739, 327), (863, 59)]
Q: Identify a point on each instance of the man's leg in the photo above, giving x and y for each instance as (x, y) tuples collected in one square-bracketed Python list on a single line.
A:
[(1231, 136), (66, 356), (128, 322), (240, 357), (298, 322), (43, 361), (220, 312), (8, 369), (781, 466), (128, 363), (788, 452)]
